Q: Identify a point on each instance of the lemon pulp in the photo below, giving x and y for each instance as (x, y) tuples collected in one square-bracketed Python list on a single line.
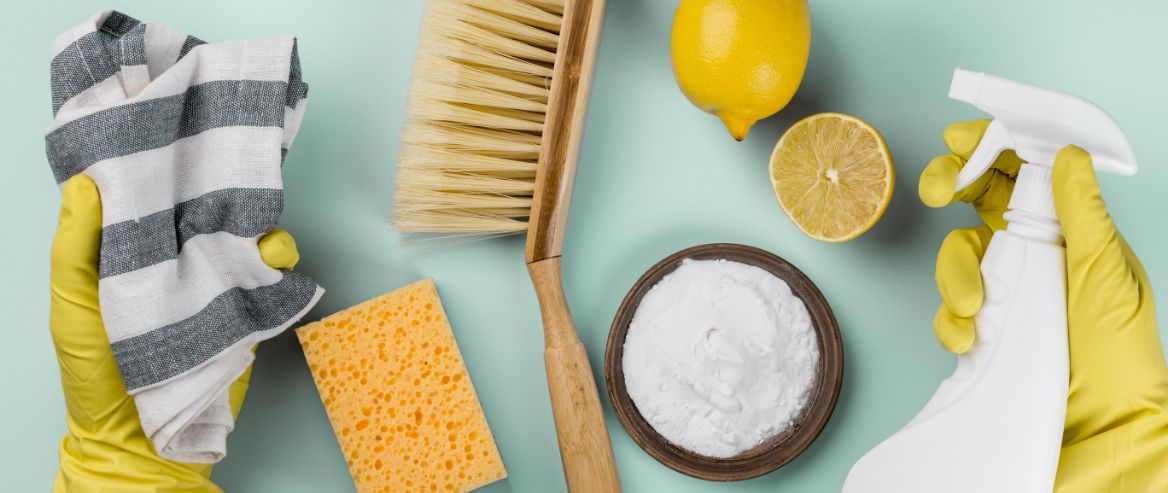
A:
[(833, 176)]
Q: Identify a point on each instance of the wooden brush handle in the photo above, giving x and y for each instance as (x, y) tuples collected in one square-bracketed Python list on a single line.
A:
[(585, 449), (589, 465), (563, 129)]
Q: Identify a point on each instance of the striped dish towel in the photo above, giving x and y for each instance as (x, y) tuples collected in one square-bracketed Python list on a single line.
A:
[(185, 141)]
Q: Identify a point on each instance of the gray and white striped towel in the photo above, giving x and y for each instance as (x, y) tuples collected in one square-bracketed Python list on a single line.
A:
[(185, 141)]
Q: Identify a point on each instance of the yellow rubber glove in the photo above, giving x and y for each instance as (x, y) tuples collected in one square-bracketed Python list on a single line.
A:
[(105, 449), (1115, 437)]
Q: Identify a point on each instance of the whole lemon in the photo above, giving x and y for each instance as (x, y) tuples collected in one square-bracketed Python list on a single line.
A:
[(740, 59)]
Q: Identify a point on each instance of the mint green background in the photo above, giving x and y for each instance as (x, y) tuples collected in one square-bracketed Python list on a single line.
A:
[(655, 176)]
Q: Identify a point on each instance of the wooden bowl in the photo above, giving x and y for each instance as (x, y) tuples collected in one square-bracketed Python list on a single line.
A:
[(773, 453)]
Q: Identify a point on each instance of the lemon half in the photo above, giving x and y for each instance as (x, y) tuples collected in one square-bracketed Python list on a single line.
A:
[(833, 176)]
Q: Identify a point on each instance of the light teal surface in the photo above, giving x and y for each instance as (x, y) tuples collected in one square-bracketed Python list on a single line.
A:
[(655, 176)]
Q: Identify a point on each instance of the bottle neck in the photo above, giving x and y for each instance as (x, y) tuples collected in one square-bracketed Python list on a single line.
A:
[(1032, 213)]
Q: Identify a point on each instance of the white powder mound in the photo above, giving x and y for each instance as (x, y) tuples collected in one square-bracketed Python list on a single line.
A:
[(720, 356)]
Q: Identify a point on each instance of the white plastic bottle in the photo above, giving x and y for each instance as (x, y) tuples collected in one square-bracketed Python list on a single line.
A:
[(996, 424)]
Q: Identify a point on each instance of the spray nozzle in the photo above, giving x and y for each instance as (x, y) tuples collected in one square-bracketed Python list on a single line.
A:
[(1037, 123)]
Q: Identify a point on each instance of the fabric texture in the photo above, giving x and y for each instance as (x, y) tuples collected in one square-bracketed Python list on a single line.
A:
[(185, 141)]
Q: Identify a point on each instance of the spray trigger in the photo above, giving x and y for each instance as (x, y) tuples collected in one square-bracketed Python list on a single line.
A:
[(995, 140)]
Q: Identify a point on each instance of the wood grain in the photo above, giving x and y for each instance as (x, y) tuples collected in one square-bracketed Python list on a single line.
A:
[(773, 453), (563, 127), (585, 449)]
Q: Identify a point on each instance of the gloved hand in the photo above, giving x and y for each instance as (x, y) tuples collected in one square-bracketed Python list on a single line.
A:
[(1115, 436), (105, 449)]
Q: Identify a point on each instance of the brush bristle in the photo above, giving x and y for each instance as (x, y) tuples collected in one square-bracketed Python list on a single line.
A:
[(475, 116)]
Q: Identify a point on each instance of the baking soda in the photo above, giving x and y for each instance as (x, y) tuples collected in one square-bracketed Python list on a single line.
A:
[(720, 356)]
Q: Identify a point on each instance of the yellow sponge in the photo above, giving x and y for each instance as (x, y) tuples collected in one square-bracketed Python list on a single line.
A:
[(398, 395)]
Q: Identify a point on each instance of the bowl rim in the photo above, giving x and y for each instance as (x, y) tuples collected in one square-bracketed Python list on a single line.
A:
[(773, 453)]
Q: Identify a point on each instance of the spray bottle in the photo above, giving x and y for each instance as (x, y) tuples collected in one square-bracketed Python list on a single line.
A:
[(996, 424)]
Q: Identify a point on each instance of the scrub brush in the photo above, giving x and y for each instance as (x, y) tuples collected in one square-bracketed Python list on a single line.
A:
[(495, 120)]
